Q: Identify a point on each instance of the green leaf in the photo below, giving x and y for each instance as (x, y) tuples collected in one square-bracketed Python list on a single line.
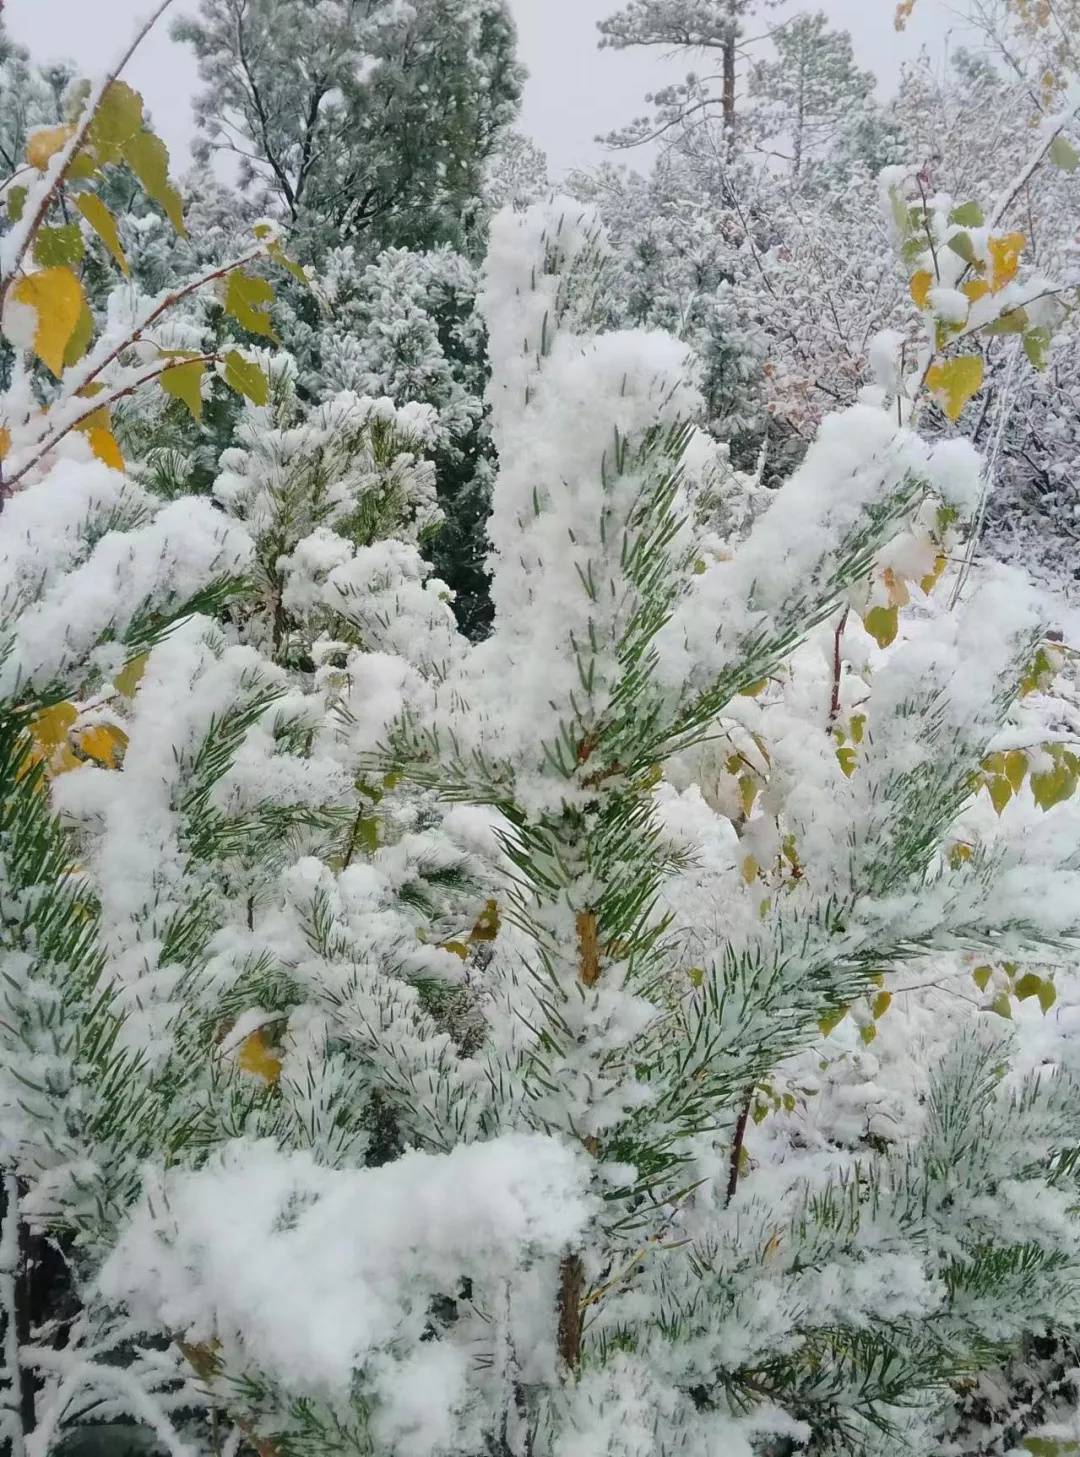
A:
[(148, 157), (962, 245), (104, 225), (247, 300), (1053, 786), (1063, 154), (1000, 791), (1029, 985), (119, 118), (1051, 1446), (981, 976), (899, 211), (1013, 321), (967, 215), (1047, 995), (81, 335), (1037, 346), (246, 379), (1002, 1006), (58, 247), (183, 382), (881, 1004), (16, 201), (882, 623), (868, 1033)]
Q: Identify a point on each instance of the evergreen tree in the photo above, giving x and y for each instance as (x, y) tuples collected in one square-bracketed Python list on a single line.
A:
[(812, 92), (358, 120)]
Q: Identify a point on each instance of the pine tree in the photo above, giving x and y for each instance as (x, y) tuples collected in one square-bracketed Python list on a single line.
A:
[(812, 92)]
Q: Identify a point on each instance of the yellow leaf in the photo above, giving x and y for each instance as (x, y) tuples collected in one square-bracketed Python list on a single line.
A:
[(930, 581), (5, 441), (130, 676), (920, 286), (882, 623), (1053, 785), (895, 588), (1016, 766), (103, 444), (959, 853), (975, 289), (104, 225), (858, 727), (749, 869), (1004, 259), (456, 948), (1000, 791), (753, 689), (184, 382), (49, 729), (487, 923), (1047, 994), (256, 1055), (981, 976), (44, 143), (847, 759), (696, 975), (1029, 985), (747, 792), (104, 744), (56, 296), (954, 381), (830, 1019), (868, 1033), (881, 1003)]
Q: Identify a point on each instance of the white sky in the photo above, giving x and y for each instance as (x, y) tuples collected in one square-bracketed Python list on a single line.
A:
[(575, 91)]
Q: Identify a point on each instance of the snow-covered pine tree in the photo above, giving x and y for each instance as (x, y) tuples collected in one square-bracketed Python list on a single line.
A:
[(718, 816)]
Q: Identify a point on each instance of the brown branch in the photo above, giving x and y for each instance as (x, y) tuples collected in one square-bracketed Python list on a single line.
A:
[(834, 699), (737, 1146), (100, 402)]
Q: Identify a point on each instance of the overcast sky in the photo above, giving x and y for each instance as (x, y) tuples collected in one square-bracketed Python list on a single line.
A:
[(575, 91)]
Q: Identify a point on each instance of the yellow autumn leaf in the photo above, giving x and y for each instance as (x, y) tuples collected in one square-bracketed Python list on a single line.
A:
[(749, 869), (981, 976), (830, 1019), (104, 225), (456, 948), (847, 759), (953, 382), (257, 1055), (487, 923), (1000, 791), (895, 588), (130, 676), (747, 792), (183, 382), (49, 731), (5, 441), (103, 444), (975, 289), (56, 297), (868, 1033), (920, 286), (104, 744), (44, 143), (881, 1003), (930, 581), (1016, 766), (1004, 259)]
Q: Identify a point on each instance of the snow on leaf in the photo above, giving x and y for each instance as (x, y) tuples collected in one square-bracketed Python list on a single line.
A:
[(1063, 154), (256, 1055), (1037, 346), (105, 446), (1004, 259), (56, 296), (44, 143)]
